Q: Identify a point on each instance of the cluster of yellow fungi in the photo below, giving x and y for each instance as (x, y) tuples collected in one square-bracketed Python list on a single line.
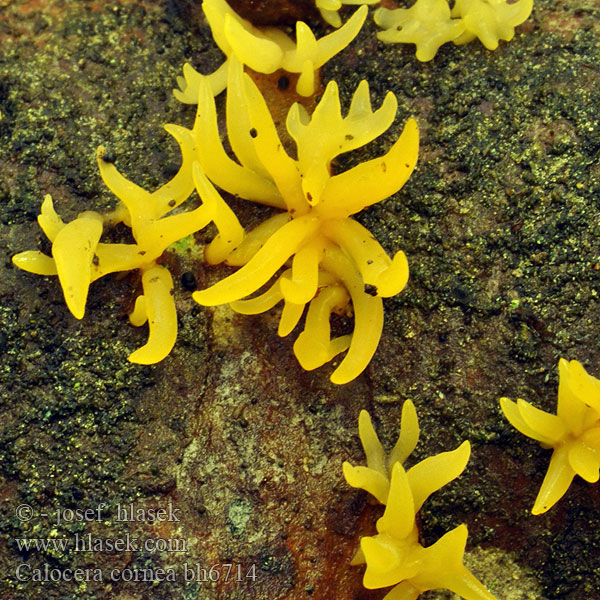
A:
[(395, 556), (79, 257), (573, 432), (335, 261), (312, 253), (431, 23), (428, 24), (265, 50), (329, 9), (330, 262)]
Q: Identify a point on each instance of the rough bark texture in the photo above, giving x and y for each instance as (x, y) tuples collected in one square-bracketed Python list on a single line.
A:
[(500, 223)]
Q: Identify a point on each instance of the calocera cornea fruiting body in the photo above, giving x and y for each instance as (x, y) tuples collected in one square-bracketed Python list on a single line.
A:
[(265, 50), (334, 265), (431, 23), (573, 433), (375, 477), (330, 262), (427, 24), (395, 556), (79, 257), (329, 9), (490, 20), (334, 262)]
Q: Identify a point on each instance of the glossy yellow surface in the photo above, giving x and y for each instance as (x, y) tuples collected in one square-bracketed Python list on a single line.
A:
[(394, 556), (335, 263), (430, 23), (265, 50), (79, 257), (329, 9), (573, 433)]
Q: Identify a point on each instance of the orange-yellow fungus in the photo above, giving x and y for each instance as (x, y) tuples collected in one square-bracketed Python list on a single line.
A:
[(573, 433), (79, 257), (395, 556), (265, 50), (430, 23), (315, 236)]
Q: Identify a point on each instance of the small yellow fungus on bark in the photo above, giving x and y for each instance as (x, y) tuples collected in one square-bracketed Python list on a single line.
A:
[(394, 556), (490, 20), (573, 433), (79, 257), (156, 306), (427, 24), (375, 477), (335, 261), (329, 9), (430, 23), (265, 50)]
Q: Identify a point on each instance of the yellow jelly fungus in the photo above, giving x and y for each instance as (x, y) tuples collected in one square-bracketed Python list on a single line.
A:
[(395, 557), (430, 23), (73, 251), (157, 307), (427, 24), (573, 433), (334, 260), (329, 9), (490, 20), (79, 258), (375, 477), (265, 50)]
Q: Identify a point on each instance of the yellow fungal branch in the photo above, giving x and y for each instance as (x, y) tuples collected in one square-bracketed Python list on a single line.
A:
[(573, 433), (375, 477), (329, 9), (334, 262), (79, 257), (490, 20), (430, 23), (394, 556), (427, 24), (265, 50)]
